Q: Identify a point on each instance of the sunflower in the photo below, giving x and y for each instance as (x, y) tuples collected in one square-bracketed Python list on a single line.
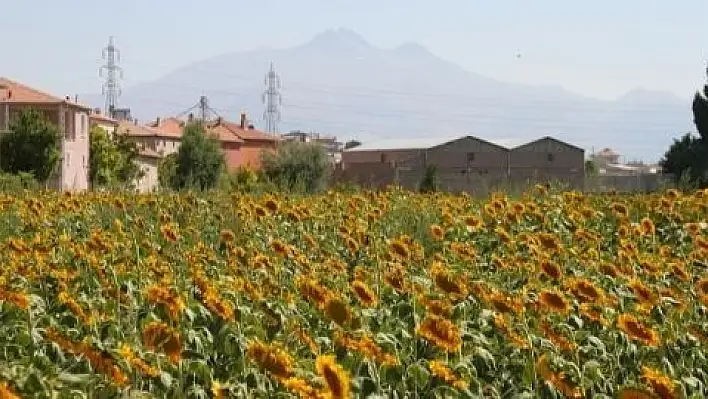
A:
[(558, 379), (647, 227), (337, 380), (300, 387), (551, 269), (636, 330), (366, 295), (6, 392), (159, 336), (443, 372), (440, 332), (270, 358), (337, 310), (586, 291), (473, 223), (399, 248), (642, 292), (272, 205), (634, 393), (446, 281), (437, 232), (620, 210), (553, 301), (659, 383)]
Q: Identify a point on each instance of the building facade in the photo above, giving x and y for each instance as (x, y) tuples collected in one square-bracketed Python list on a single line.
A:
[(72, 119), (466, 164)]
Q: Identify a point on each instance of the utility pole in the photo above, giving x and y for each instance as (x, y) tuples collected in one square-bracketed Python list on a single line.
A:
[(203, 108), (272, 100), (112, 72)]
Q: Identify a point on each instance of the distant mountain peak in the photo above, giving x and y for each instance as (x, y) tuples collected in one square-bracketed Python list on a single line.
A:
[(412, 49), (644, 96), (339, 39)]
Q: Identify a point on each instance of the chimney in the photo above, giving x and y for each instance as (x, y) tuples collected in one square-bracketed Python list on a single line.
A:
[(157, 123), (190, 118), (97, 111), (243, 120), (67, 98), (218, 121)]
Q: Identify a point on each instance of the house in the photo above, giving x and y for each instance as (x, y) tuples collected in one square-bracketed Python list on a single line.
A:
[(465, 163), (149, 162), (332, 147), (105, 122), (253, 142), (147, 139), (72, 119)]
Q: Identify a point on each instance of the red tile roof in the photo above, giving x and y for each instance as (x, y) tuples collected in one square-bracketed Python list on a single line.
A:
[(246, 134), (168, 127), (135, 130), (17, 93), (223, 133), (103, 118)]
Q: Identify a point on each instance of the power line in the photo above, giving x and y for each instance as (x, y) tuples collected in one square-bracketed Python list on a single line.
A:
[(111, 87), (272, 100)]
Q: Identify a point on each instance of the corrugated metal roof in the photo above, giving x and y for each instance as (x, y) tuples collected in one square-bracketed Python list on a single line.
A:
[(406, 143), (415, 143)]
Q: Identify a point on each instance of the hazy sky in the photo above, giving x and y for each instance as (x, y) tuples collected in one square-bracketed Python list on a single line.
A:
[(599, 48)]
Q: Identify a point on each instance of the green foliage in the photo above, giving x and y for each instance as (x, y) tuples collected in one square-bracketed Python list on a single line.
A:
[(687, 160), (31, 146), (199, 161), (297, 166), (113, 160), (430, 182), (167, 170), (590, 167), (700, 112), (129, 169), (16, 183), (104, 159)]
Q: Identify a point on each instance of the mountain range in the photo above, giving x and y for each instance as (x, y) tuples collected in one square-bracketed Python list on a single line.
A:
[(339, 84)]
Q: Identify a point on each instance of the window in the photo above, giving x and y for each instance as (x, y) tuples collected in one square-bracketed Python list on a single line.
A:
[(470, 157), (551, 157), (68, 159), (83, 125)]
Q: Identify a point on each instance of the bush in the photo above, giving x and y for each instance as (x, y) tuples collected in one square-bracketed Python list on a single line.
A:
[(299, 167), (199, 161), (430, 182), (16, 183), (31, 146)]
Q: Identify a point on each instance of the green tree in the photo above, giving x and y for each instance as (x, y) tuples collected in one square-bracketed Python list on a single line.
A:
[(199, 161), (128, 170), (167, 170), (297, 166), (430, 182), (104, 160), (113, 161), (31, 145), (687, 158), (700, 112)]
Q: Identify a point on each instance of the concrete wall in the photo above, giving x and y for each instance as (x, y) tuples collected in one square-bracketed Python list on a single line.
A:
[(377, 156), (251, 152), (149, 181), (232, 155), (75, 163)]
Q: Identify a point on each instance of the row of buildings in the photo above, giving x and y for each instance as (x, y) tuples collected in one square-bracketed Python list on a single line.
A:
[(241, 143), (469, 164)]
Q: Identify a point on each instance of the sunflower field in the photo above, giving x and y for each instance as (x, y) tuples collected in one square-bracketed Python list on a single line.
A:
[(370, 294)]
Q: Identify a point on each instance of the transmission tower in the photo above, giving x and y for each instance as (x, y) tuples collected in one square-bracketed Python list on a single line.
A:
[(272, 100), (112, 72)]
